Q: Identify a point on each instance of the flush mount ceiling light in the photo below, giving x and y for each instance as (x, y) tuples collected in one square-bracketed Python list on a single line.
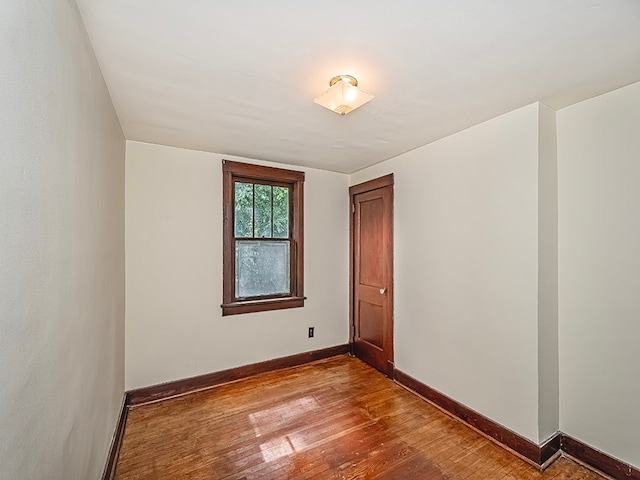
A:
[(343, 95)]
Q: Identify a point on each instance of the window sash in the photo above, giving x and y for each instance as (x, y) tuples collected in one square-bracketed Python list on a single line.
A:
[(272, 222), (290, 273)]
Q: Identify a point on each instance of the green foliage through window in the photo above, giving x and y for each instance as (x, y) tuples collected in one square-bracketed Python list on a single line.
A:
[(261, 211)]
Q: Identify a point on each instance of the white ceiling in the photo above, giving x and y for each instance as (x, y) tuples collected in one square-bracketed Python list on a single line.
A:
[(239, 77)]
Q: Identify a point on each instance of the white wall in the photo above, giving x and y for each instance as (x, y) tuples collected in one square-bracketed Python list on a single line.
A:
[(466, 266), (174, 325), (548, 364), (599, 271), (61, 248)]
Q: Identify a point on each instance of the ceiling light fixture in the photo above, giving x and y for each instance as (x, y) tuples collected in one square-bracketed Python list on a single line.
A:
[(343, 95)]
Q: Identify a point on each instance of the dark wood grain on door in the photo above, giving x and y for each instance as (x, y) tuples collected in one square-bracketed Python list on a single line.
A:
[(372, 273)]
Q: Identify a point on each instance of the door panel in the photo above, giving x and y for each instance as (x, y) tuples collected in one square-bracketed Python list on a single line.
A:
[(371, 330), (372, 275), (371, 271)]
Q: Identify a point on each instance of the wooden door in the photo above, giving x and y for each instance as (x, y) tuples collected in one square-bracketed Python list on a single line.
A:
[(372, 273)]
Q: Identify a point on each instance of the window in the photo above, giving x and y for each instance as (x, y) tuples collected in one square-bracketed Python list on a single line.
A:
[(263, 238)]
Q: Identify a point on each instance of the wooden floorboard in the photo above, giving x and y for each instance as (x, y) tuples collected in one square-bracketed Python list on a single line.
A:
[(332, 419)]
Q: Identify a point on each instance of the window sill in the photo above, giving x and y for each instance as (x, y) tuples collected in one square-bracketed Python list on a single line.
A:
[(251, 306)]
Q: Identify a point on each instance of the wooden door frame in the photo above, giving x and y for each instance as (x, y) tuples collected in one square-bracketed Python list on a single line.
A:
[(384, 181)]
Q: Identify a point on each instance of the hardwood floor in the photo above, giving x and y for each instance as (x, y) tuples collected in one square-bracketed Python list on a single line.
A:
[(332, 419)]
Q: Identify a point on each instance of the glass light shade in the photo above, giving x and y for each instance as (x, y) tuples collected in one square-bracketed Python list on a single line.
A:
[(343, 95)]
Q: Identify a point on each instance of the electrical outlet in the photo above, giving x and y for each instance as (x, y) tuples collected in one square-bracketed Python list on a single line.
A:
[(311, 332)]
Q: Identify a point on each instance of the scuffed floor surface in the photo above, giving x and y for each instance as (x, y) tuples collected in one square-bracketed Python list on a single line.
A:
[(332, 419)]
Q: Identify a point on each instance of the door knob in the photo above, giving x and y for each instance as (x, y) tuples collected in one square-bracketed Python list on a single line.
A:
[(382, 290)]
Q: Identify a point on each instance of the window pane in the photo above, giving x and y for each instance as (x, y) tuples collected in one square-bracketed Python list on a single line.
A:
[(263, 211), (262, 268), (280, 212), (243, 207)]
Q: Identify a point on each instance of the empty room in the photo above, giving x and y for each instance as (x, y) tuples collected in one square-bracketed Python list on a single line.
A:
[(319, 240)]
